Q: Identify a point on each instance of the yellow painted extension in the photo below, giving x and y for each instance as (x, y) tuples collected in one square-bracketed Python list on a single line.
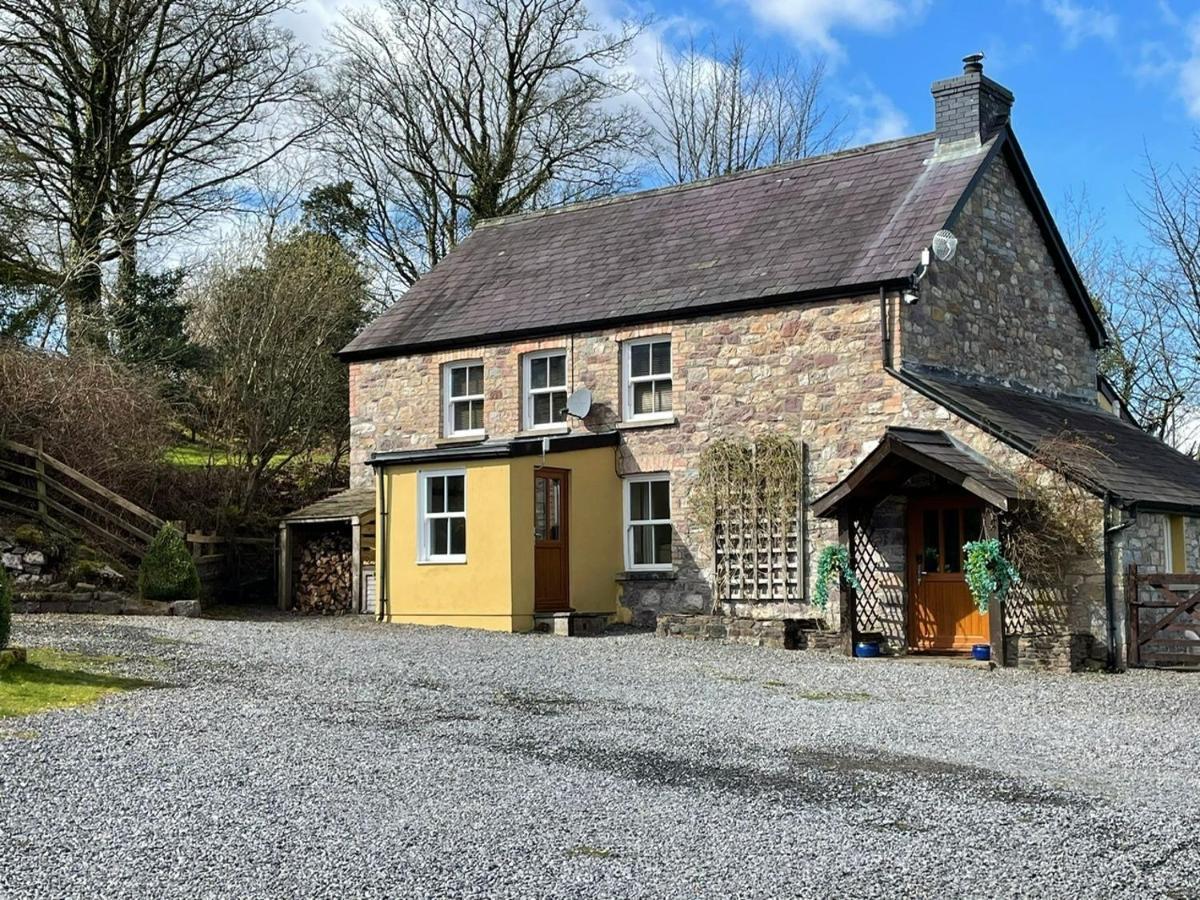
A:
[(494, 587)]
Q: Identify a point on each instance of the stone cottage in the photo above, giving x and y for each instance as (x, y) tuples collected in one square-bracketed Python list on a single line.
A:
[(920, 377)]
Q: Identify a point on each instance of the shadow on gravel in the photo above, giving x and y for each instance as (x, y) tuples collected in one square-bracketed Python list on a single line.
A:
[(806, 776)]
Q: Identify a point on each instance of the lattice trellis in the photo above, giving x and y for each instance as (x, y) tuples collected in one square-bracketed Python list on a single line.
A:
[(758, 559), (758, 550)]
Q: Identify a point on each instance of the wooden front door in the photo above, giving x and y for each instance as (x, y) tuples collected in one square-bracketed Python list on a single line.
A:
[(551, 581), (941, 614)]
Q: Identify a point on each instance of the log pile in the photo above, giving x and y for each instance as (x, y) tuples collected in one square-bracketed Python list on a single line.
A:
[(323, 579)]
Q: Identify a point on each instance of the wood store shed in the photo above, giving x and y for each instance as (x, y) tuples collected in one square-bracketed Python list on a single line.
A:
[(327, 555)]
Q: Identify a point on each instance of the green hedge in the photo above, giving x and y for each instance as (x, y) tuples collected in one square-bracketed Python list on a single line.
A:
[(5, 609), (167, 572)]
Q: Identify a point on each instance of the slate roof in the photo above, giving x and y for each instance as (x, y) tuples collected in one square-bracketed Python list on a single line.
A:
[(853, 219), (1136, 467), (902, 449)]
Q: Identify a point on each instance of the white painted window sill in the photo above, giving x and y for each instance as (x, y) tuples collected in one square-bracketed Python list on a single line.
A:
[(648, 422), (544, 431), (456, 439)]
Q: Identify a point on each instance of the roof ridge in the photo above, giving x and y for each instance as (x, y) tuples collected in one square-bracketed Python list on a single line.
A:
[(759, 172)]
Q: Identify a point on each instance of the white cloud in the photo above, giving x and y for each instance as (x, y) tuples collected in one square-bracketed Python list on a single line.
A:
[(1189, 72), (813, 22), (1079, 22), (874, 117)]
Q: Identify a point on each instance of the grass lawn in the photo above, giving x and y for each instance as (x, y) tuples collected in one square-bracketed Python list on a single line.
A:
[(196, 454), (53, 680)]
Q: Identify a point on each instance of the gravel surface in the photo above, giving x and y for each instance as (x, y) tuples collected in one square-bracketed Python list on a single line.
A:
[(342, 758)]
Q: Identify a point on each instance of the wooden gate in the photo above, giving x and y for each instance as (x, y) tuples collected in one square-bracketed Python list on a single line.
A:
[(1162, 619)]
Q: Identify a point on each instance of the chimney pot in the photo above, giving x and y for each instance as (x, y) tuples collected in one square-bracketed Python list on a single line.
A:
[(972, 62)]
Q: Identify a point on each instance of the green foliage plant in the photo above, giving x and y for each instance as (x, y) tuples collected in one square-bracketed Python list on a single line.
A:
[(990, 576), (834, 560), (168, 572)]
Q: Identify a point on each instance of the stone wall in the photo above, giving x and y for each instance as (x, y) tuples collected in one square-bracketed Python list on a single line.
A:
[(998, 309), (780, 634)]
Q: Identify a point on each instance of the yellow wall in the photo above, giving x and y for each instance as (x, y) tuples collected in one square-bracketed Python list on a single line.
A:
[(493, 589)]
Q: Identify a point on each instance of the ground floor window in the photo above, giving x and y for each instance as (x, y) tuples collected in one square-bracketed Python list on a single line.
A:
[(648, 522), (442, 501)]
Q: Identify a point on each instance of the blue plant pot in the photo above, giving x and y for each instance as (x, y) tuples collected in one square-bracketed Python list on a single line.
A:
[(866, 649), (982, 652)]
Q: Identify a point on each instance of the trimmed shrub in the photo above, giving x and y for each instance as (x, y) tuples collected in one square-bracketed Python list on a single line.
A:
[(5, 609), (168, 572)]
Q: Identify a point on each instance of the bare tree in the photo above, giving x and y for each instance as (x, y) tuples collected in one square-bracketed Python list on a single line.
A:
[(447, 112), (271, 315), (125, 118), (1149, 296), (716, 111)]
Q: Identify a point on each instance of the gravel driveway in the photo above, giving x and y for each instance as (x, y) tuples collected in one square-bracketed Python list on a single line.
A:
[(343, 758)]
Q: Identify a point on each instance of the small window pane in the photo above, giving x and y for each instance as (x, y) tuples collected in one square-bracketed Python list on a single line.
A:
[(662, 396), (639, 501), (558, 371), (542, 409), (475, 379), (643, 545), (643, 397), (639, 360), (439, 531), (476, 415), (660, 500), (462, 416), (661, 364), (558, 406), (931, 554), (952, 541), (458, 535), (662, 544), (455, 493), (458, 381), (972, 525), (437, 495), (537, 372)]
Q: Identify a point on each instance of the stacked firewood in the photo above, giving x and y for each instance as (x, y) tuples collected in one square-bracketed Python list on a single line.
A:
[(323, 579)]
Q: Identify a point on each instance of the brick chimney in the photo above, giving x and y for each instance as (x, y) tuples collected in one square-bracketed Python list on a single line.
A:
[(969, 106)]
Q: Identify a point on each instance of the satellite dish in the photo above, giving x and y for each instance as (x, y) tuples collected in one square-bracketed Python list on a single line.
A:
[(579, 404), (944, 245)]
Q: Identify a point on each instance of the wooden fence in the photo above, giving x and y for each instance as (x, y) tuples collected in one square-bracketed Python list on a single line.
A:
[(35, 485), (1162, 619)]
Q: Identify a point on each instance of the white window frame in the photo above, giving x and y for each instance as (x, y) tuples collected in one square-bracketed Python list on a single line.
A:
[(448, 400), (628, 379), (424, 554), (1171, 564), (630, 566), (529, 392)]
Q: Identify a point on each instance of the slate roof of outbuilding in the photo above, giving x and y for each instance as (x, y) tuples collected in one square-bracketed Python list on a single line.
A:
[(1136, 467), (342, 505), (852, 219)]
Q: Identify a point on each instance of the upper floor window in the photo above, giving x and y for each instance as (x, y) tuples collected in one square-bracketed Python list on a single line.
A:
[(647, 377), (463, 391), (545, 377), (442, 511)]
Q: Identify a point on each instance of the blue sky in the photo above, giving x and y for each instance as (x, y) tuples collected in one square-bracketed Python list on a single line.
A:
[(1097, 85)]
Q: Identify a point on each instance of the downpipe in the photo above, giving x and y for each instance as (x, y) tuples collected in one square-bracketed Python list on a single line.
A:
[(1110, 587)]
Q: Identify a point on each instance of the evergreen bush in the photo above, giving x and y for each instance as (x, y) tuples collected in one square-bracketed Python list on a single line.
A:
[(167, 572)]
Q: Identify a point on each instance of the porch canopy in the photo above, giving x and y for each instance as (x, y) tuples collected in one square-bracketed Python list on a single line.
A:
[(904, 452)]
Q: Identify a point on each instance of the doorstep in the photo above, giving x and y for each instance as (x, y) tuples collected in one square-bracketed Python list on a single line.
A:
[(570, 624)]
